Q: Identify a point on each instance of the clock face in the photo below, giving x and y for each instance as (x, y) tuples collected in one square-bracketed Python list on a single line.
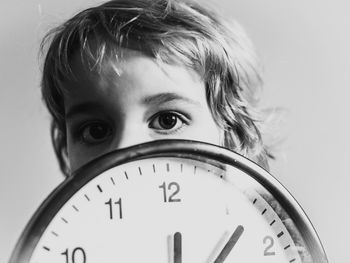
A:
[(165, 206)]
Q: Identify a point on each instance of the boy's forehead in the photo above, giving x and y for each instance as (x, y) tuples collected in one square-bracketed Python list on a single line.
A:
[(101, 65), (127, 63), (133, 76)]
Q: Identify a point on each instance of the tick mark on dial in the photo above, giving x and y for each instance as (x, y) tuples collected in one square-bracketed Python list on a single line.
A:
[(126, 175), (272, 222), (254, 201), (112, 181), (286, 247), (292, 260), (195, 170), (99, 188), (140, 172), (263, 212), (54, 233), (181, 167), (154, 168), (46, 248), (64, 220), (87, 198), (167, 167), (75, 208), (280, 234)]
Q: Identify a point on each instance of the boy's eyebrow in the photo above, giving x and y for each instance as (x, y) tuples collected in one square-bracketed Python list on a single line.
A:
[(91, 107), (166, 97)]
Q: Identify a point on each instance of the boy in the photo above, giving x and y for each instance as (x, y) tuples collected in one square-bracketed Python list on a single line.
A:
[(132, 71), (127, 72)]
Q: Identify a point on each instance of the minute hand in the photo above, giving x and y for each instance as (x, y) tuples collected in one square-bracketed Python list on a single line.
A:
[(229, 245)]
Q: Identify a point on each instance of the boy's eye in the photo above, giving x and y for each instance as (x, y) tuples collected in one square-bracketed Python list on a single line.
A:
[(95, 132), (167, 122)]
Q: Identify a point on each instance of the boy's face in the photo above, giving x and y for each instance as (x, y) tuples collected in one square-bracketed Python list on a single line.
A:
[(133, 100)]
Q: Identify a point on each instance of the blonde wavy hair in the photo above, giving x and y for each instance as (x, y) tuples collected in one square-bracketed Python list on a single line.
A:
[(172, 31)]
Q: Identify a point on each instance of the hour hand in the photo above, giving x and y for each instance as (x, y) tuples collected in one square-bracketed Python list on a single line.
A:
[(229, 245), (177, 248)]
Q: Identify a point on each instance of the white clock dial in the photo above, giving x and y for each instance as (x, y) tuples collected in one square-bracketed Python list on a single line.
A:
[(167, 209)]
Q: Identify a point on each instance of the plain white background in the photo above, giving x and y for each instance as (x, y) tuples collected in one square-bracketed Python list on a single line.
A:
[(304, 46)]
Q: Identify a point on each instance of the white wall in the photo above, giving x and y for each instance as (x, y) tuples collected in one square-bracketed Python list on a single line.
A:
[(304, 47)]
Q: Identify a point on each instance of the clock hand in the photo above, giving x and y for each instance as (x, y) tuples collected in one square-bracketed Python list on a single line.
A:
[(177, 248), (229, 245)]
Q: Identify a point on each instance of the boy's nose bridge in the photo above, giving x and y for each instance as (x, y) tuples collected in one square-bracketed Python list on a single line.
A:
[(130, 134)]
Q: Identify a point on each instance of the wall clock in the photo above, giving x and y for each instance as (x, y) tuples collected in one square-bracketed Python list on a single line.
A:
[(170, 201)]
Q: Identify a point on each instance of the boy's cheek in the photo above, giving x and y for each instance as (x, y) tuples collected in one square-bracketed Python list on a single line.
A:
[(209, 132), (78, 154)]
